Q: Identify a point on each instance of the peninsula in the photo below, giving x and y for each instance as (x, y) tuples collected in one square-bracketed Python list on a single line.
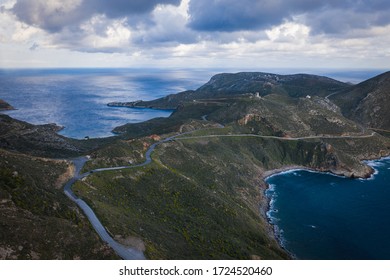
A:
[(191, 186)]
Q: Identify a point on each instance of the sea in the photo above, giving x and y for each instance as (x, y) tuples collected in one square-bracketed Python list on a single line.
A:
[(315, 215), (320, 216), (77, 98)]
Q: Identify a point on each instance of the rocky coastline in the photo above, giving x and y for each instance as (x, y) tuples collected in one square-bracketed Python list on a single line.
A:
[(4, 106), (139, 104)]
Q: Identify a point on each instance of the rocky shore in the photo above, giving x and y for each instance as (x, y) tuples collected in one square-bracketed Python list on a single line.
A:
[(139, 104), (133, 104), (4, 106)]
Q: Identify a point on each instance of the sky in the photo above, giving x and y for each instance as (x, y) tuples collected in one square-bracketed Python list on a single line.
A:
[(349, 34)]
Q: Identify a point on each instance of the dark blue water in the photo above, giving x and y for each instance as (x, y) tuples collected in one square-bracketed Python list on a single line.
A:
[(77, 98), (321, 216)]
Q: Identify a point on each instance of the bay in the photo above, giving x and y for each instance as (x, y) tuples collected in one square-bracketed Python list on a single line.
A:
[(77, 98), (321, 216)]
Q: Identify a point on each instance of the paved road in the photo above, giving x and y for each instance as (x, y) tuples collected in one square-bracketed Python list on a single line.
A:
[(133, 254), (124, 252), (279, 138)]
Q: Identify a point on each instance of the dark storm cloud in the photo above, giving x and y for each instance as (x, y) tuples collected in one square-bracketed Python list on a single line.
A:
[(232, 15), (341, 21), (43, 15), (328, 16), (54, 15), (121, 8)]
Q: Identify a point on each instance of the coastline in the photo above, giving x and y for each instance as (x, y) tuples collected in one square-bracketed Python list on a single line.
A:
[(265, 206), (5, 106), (265, 209), (134, 105)]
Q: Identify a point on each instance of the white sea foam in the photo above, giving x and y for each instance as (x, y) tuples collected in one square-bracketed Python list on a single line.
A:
[(285, 172), (375, 164), (312, 226), (270, 189)]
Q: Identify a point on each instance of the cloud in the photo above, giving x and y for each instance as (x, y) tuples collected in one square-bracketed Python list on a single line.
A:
[(332, 16), (34, 47), (343, 21), (231, 15), (121, 8), (50, 15), (169, 28), (197, 32), (55, 15)]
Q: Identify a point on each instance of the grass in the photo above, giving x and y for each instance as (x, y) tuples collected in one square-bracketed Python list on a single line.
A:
[(182, 210), (198, 199), (37, 220)]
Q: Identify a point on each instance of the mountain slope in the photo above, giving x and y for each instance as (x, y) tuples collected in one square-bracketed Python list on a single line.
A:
[(212, 178), (42, 140), (238, 84), (37, 221), (202, 196), (368, 102), (298, 85)]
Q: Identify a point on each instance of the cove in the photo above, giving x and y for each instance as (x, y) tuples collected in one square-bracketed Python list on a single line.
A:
[(320, 216)]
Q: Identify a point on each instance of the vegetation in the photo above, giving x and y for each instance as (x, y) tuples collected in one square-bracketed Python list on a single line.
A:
[(37, 220), (367, 102), (202, 197)]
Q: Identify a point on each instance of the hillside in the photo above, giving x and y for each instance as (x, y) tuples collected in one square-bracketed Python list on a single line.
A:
[(298, 85), (368, 102), (202, 196), (231, 85), (37, 221), (212, 177), (42, 140)]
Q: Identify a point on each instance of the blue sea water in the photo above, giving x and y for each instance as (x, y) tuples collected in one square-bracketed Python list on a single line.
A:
[(322, 216), (77, 98)]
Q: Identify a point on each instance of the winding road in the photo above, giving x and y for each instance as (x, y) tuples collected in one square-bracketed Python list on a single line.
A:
[(127, 253), (277, 137), (124, 252)]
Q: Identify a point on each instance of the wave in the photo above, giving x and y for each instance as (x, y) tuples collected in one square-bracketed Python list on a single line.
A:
[(376, 164)]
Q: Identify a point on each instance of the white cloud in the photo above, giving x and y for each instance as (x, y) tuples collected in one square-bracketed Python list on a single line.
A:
[(289, 32), (115, 35), (160, 34)]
